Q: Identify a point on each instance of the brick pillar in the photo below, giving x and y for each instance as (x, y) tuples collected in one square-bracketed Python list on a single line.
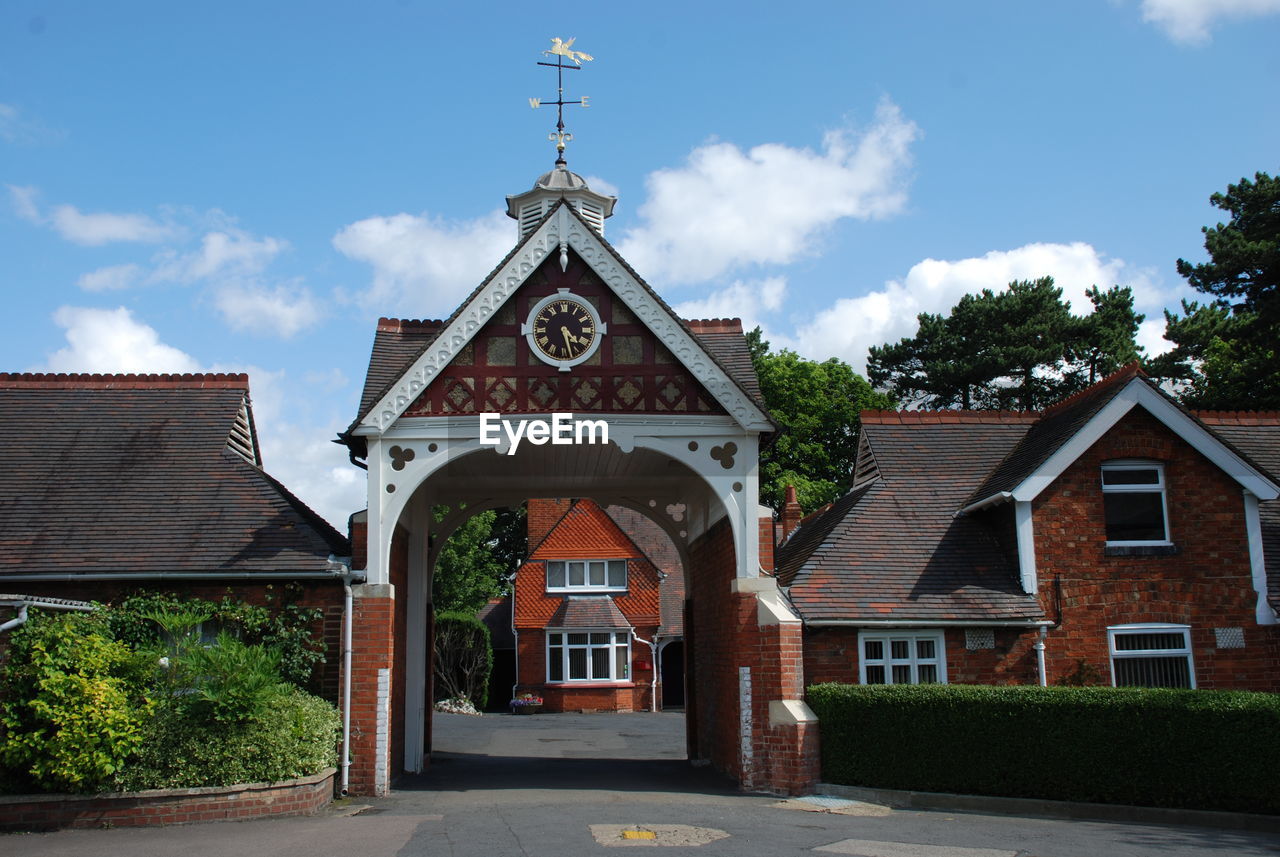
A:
[(372, 653), (749, 719)]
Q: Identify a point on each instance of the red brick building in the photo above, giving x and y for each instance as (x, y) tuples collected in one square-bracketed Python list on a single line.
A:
[(593, 612), (1115, 538)]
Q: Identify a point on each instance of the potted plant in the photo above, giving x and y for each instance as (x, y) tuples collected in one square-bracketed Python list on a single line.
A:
[(526, 703)]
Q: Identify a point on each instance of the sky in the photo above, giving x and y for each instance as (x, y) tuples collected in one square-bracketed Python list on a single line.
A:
[(247, 186)]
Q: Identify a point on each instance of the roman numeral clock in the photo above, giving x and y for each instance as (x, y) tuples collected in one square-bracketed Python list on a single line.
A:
[(563, 329)]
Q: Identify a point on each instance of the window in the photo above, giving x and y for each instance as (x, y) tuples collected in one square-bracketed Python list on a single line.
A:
[(1151, 656), (902, 658), (588, 656), (586, 574), (1133, 501)]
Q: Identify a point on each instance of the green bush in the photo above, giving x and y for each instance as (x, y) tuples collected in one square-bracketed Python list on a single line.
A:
[(463, 658), (70, 706), (1180, 748), (296, 736)]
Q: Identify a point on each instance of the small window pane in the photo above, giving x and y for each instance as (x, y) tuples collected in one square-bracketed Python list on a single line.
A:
[(924, 649), (577, 639), (928, 674), (1153, 672), (555, 575), (900, 650), (902, 674), (1141, 476), (578, 663), (600, 639), (553, 639), (576, 574), (1134, 517), (621, 637), (597, 574), (874, 650), (875, 675), (1149, 642), (600, 663), (618, 573)]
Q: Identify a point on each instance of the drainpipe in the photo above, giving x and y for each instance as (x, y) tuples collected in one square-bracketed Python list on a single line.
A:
[(348, 619), (653, 670), (1039, 647), (20, 619)]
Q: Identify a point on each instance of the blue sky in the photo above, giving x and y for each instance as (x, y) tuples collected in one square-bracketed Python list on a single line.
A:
[(240, 186)]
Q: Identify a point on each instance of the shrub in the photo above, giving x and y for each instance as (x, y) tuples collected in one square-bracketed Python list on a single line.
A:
[(463, 657), (296, 736), (1179, 748), (70, 706)]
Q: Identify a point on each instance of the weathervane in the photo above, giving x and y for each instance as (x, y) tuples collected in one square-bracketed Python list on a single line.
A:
[(560, 50)]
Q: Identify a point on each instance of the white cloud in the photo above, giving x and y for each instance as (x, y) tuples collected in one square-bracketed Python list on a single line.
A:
[(295, 422), (24, 202), (232, 251), (112, 340), (1189, 21), (281, 310), (726, 209), (425, 265), (17, 129), (753, 301), (847, 328), (94, 230), (111, 278)]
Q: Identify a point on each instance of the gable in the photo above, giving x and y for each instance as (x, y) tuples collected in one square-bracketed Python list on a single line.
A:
[(586, 532), (563, 234), (498, 371)]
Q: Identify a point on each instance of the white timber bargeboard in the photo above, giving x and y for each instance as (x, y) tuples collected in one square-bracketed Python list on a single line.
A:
[(564, 227)]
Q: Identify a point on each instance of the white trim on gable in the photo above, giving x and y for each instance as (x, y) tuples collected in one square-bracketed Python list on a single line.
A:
[(1138, 392), (1263, 612), (559, 232)]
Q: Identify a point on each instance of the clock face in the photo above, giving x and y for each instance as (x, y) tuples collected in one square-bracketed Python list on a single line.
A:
[(563, 329)]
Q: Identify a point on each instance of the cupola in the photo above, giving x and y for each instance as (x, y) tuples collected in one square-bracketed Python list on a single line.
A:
[(529, 207)]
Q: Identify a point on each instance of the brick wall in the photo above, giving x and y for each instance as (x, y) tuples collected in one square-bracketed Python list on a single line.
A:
[(831, 655), (157, 807), (1206, 585)]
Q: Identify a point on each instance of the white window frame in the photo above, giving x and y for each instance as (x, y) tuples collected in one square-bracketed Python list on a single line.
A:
[(914, 661), (1114, 631), (613, 645), (586, 586), (1159, 487)]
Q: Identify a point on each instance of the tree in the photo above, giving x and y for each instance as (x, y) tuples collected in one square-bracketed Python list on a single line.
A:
[(816, 406), (463, 658), (473, 566), (1226, 353), (1020, 348)]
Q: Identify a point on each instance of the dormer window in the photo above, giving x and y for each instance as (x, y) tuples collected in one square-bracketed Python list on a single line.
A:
[(586, 575), (1134, 503)]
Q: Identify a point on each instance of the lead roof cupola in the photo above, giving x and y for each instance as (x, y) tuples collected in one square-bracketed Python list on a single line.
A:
[(560, 183)]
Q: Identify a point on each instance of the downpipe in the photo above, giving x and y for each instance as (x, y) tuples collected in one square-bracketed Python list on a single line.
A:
[(653, 670), (348, 618)]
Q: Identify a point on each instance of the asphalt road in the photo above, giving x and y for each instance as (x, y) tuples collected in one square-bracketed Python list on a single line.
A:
[(568, 785)]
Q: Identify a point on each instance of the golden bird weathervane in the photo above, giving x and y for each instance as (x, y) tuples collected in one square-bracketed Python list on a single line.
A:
[(561, 50)]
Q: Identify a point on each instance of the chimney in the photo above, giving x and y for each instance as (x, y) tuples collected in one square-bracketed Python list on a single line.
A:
[(791, 513)]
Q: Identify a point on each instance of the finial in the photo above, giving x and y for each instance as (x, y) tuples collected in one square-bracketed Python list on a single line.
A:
[(560, 50)]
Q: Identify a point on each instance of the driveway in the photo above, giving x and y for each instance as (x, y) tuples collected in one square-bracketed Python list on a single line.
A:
[(560, 785)]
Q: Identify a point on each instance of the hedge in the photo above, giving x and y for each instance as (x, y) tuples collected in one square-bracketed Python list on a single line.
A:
[(1192, 749)]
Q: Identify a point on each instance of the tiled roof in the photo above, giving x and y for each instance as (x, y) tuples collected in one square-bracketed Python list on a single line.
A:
[(120, 474), (496, 615), (1053, 428), (585, 532), (588, 611), (1257, 435), (661, 551), (398, 343), (893, 549)]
